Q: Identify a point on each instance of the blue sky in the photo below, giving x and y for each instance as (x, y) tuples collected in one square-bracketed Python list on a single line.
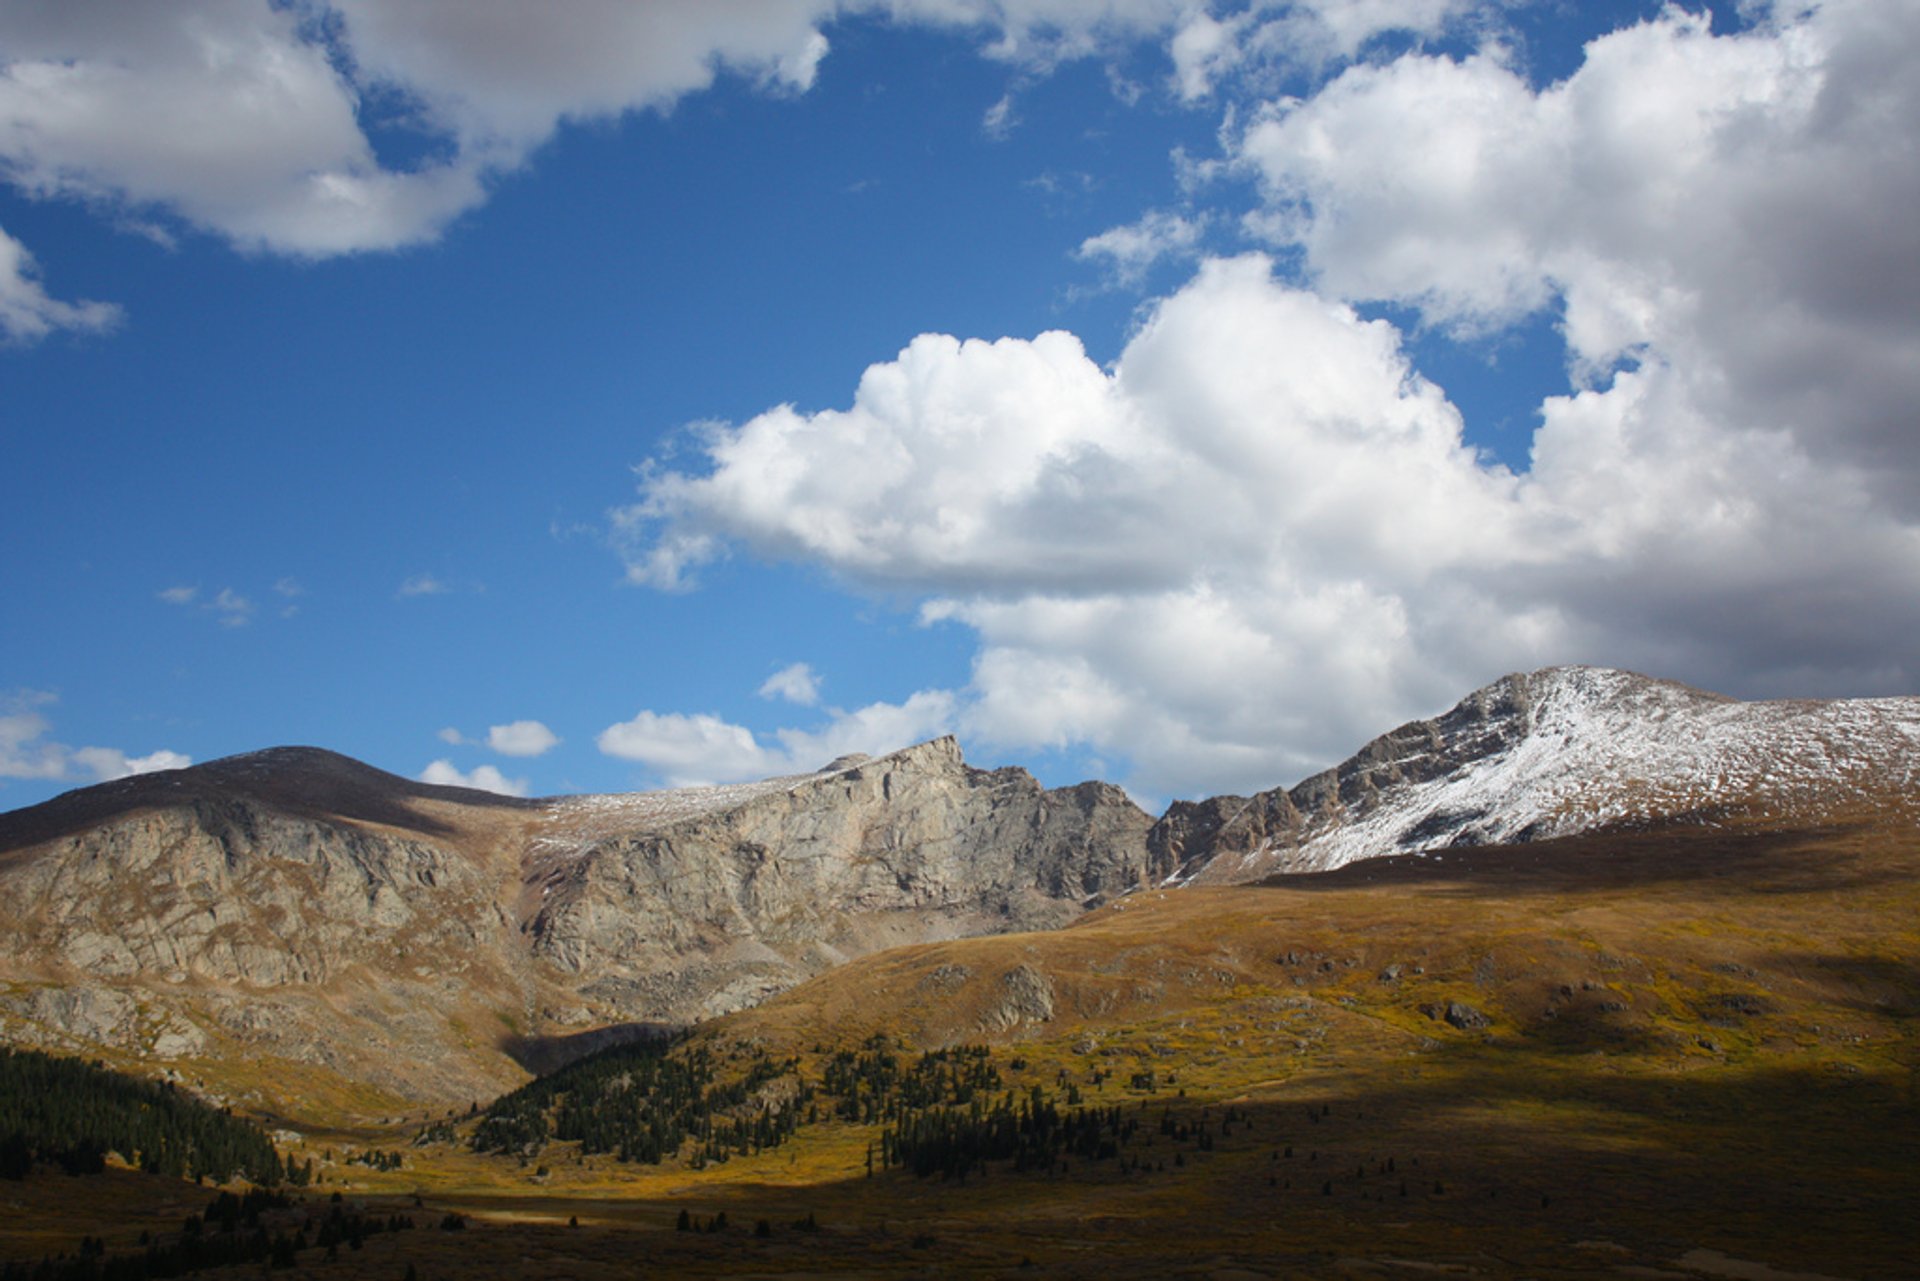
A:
[(1170, 392)]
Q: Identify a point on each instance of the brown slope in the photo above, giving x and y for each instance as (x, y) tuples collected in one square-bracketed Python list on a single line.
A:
[(308, 782), (1683, 898), (1610, 1051)]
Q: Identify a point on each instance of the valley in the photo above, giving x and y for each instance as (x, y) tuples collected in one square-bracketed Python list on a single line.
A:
[(1679, 1046)]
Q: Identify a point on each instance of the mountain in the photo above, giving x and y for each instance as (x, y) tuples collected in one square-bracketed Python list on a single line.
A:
[(1683, 1050), (292, 922), (1552, 753), (1637, 994), (293, 926)]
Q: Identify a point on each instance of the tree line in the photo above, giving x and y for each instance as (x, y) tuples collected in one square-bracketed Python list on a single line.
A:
[(70, 1113), (641, 1102)]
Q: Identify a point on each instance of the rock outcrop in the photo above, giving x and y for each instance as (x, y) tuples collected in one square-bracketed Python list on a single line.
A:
[(294, 906), (742, 899)]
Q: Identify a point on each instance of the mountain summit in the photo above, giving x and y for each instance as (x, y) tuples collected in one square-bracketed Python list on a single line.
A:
[(1551, 753)]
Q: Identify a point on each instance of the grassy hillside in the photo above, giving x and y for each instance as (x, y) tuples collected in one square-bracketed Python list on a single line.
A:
[(1690, 1050)]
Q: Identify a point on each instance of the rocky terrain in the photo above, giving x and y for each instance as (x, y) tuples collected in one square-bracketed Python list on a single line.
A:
[(1599, 975), (1553, 753), (744, 889), (392, 943), (294, 921)]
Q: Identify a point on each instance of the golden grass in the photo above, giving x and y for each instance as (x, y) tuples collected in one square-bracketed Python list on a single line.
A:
[(1699, 1040)]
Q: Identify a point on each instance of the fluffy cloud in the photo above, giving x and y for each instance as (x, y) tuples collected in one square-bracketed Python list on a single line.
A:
[(517, 738), (252, 119), (257, 121), (1203, 558), (27, 752), (106, 763), (690, 751), (1260, 538), (483, 778), (1130, 251), (521, 738), (1244, 419), (224, 112), (1722, 206), (797, 683), (28, 313)]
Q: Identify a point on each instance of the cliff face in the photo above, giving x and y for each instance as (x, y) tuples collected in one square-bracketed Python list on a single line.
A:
[(746, 898), (237, 892), (298, 907)]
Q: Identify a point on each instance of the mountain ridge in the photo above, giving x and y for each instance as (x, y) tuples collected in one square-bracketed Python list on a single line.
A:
[(299, 906), (296, 906), (1554, 752)]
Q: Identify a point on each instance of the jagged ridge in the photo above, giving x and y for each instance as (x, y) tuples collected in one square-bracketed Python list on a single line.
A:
[(1551, 753)]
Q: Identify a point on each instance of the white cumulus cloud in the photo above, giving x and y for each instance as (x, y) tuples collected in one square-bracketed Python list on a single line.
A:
[(1722, 206), (1129, 251), (27, 752), (484, 778), (521, 738), (1259, 538), (797, 683), (108, 763), (29, 313), (694, 750), (249, 118)]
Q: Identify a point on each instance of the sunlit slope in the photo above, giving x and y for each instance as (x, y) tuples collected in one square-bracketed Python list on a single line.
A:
[(1659, 1044), (1686, 1053)]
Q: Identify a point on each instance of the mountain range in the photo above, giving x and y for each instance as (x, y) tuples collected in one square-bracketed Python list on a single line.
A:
[(299, 933)]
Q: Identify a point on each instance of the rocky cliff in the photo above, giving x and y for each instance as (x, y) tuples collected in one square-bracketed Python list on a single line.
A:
[(744, 895), (1552, 753), (293, 907)]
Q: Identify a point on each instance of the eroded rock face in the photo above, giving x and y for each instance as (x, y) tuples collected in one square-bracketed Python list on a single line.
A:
[(1026, 997), (303, 907), (238, 893), (746, 898)]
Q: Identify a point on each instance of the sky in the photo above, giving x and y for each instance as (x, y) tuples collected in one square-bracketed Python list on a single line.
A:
[(605, 396)]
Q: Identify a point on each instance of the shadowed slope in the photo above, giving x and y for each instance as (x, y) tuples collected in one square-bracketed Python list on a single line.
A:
[(308, 782)]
